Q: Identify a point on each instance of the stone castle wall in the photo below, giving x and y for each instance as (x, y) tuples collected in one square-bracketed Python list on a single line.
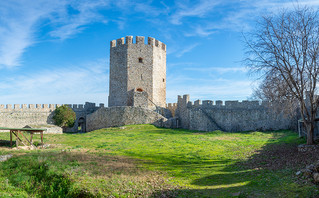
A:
[(40, 115), (137, 66), (231, 116), (120, 116)]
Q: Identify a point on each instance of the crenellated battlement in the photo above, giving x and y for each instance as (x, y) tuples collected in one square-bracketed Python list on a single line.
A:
[(139, 40), (184, 101), (171, 105), (46, 107)]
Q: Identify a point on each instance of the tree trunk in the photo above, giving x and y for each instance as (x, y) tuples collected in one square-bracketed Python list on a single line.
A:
[(310, 132)]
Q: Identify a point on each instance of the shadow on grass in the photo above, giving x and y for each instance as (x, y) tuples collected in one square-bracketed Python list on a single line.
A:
[(6, 143), (270, 171)]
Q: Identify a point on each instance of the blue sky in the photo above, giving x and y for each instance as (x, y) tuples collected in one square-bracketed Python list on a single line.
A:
[(57, 51)]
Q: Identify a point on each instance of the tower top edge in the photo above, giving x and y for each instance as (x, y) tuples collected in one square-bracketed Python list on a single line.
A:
[(139, 40)]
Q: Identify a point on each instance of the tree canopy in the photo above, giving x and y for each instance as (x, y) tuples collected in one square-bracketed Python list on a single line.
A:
[(284, 48), (64, 116)]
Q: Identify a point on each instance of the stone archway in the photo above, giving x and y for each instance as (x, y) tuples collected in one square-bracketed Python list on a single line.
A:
[(81, 125)]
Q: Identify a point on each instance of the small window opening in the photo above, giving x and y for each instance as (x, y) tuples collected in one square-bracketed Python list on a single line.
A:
[(163, 79), (139, 89), (140, 60)]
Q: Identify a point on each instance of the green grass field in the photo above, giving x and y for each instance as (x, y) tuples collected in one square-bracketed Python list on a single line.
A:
[(145, 161)]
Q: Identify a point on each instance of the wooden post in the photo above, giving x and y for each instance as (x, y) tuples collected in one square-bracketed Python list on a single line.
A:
[(31, 133), (10, 138), (17, 140), (41, 138)]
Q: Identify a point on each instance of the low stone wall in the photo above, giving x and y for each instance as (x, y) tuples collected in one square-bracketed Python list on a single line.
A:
[(119, 116), (41, 116), (19, 119), (230, 116)]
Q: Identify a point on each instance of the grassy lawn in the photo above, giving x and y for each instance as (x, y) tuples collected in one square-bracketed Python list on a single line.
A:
[(145, 161)]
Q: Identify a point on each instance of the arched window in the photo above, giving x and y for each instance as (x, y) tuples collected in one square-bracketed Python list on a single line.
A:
[(139, 89), (140, 60)]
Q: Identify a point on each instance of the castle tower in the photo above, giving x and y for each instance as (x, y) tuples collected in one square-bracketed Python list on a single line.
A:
[(137, 73)]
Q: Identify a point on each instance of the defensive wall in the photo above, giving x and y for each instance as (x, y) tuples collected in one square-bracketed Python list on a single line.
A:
[(41, 116), (229, 116), (124, 115)]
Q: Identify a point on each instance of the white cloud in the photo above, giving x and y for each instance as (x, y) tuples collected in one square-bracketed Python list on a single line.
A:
[(70, 84)]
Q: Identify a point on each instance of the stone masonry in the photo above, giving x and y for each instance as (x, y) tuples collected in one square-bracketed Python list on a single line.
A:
[(137, 67), (119, 116), (231, 116), (40, 116)]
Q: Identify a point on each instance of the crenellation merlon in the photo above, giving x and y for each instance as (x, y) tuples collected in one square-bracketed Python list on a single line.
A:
[(151, 41), (186, 98), (120, 41), (157, 43), (128, 39), (197, 103), (189, 104), (16, 106), (170, 105), (113, 43), (207, 103), (163, 47), (219, 103), (140, 40)]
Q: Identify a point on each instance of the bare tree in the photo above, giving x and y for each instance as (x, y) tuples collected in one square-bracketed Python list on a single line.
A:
[(285, 49)]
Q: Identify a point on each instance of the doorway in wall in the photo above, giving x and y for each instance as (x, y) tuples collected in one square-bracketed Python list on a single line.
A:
[(81, 125)]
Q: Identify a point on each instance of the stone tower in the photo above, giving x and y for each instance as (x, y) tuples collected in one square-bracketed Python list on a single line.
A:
[(137, 73)]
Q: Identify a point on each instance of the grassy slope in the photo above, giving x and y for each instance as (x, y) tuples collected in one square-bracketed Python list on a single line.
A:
[(173, 162)]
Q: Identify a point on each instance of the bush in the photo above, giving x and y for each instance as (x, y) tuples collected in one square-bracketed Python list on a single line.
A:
[(64, 116)]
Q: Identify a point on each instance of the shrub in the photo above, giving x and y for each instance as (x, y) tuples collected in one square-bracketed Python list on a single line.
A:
[(64, 116)]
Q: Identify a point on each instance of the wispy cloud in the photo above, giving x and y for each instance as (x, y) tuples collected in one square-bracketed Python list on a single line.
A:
[(73, 84), (216, 89), (221, 70), (73, 18), (193, 10), (187, 49), (201, 31), (20, 21), (239, 19)]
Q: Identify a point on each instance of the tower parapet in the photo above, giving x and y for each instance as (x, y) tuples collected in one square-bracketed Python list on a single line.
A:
[(138, 40)]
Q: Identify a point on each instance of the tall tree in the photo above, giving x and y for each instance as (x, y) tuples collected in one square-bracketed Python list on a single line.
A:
[(284, 47)]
